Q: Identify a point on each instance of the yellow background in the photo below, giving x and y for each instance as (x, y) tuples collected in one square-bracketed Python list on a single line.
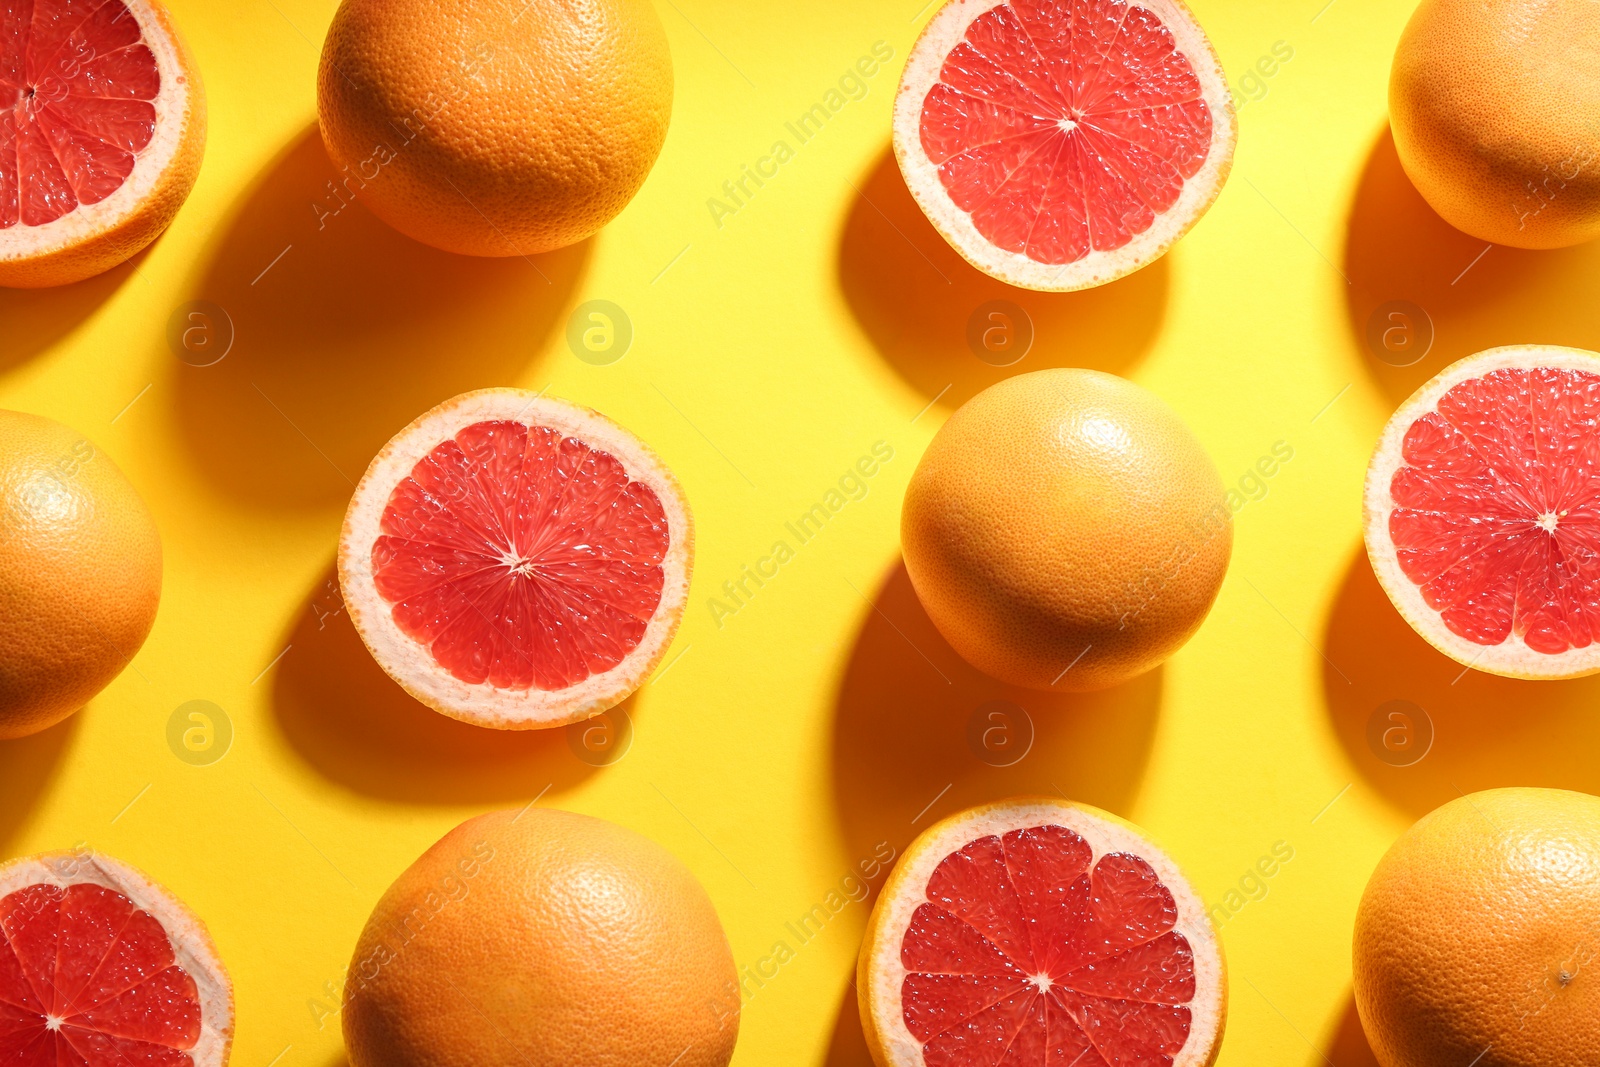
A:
[(769, 354)]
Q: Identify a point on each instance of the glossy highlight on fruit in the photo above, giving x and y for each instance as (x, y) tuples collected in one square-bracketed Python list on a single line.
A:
[(1065, 530), (101, 134), (1060, 144), (516, 561), (542, 938), (1035, 931), (101, 967), (1481, 516)]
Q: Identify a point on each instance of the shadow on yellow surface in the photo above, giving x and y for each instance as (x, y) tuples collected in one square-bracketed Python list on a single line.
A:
[(1398, 249), (848, 1046), (1488, 731), (1349, 1047), (347, 718), (31, 320), (913, 719), (344, 331), (27, 765), (915, 297)]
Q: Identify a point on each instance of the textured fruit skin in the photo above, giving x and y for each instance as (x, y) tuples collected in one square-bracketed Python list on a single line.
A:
[(127, 237), (1478, 931), (1493, 109), (542, 938), (495, 127), (80, 572), (1066, 518)]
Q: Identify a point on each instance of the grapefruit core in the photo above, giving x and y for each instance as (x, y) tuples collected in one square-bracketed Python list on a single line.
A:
[(516, 561), (1035, 931), (1483, 511), (1060, 144), (100, 967), (102, 126)]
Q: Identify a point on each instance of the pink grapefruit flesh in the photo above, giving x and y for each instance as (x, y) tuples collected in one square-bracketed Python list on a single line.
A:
[(522, 558), (1062, 143), (1029, 945), (88, 978), (1483, 511), (1036, 932), (516, 561), (102, 130), (78, 84)]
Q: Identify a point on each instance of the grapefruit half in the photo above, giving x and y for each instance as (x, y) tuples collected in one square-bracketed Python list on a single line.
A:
[(102, 128), (1038, 931), (516, 561), (101, 967), (1061, 144), (1483, 511)]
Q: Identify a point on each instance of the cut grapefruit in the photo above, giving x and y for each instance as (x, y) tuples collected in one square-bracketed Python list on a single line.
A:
[(102, 127), (1061, 144), (1483, 511), (101, 967), (516, 561), (1038, 931)]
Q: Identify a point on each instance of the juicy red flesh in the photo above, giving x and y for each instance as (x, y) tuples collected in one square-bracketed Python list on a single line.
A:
[(1065, 126), (76, 85), (1497, 508), (522, 558), (89, 980), (1028, 953)]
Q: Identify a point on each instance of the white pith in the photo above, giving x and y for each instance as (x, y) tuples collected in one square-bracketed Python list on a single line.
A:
[(939, 37), (410, 663), (86, 221), (191, 944), (906, 890), (1512, 657)]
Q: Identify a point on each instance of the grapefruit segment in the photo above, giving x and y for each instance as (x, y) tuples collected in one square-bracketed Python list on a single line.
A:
[(516, 561), (1059, 144), (1483, 511), (99, 967), (1039, 932), (102, 126)]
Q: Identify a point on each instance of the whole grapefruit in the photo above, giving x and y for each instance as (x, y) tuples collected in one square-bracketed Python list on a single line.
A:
[(1475, 938), (495, 127), (1493, 107), (542, 938), (1066, 530), (80, 572)]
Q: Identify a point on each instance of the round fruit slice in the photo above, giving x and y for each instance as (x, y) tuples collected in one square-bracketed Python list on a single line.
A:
[(101, 967), (1483, 511), (1060, 144), (101, 134), (1039, 932), (516, 561)]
